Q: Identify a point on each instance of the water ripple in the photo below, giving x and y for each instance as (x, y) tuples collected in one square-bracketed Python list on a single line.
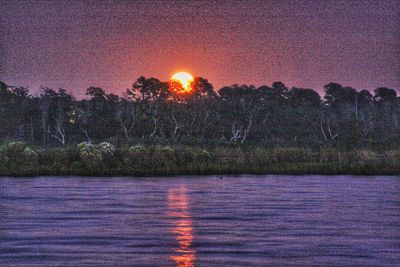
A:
[(202, 221)]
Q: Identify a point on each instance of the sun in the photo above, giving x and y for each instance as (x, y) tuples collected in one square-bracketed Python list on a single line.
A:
[(185, 81)]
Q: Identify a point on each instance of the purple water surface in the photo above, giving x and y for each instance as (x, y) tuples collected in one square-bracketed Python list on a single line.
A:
[(200, 221)]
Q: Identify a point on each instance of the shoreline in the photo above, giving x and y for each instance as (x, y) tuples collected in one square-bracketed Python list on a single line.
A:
[(161, 173), (195, 176)]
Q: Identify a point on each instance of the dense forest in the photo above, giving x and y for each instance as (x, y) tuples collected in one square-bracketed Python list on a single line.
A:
[(150, 112)]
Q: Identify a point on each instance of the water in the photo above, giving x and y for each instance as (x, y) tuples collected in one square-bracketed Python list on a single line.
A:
[(200, 221)]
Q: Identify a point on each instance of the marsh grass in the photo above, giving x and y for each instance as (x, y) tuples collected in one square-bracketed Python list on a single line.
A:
[(166, 160)]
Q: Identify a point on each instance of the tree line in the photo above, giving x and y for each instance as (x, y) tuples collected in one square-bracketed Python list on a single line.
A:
[(149, 112)]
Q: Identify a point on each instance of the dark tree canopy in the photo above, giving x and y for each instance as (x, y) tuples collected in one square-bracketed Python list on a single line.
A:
[(150, 111)]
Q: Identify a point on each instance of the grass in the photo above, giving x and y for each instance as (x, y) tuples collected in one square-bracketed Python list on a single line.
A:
[(155, 160)]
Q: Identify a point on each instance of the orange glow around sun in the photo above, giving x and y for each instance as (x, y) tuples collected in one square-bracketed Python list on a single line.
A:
[(181, 82)]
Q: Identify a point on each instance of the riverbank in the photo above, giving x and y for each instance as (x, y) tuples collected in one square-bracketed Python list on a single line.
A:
[(19, 159)]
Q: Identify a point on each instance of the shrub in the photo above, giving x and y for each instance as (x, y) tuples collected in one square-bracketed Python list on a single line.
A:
[(137, 149), (30, 155), (392, 156), (83, 144), (13, 148), (12, 152), (261, 151), (106, 149), (64, 155), (185, 155), (366, 157), (328, 155), (76, 165), (204, 154), (165, 149), (17, 154), (163, 155), (90, 155), (261, 154)]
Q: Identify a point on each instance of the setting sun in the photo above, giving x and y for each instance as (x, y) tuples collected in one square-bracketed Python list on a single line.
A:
[(184, 79)]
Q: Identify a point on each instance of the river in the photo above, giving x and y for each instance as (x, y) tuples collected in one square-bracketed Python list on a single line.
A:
[(244, 220)]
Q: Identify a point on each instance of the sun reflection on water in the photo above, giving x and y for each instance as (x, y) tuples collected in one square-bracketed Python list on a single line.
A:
[(178, 211)]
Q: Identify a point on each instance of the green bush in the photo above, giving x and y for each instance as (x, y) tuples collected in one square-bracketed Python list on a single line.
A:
[(163, 156), (30, 155), (137, 149), (83, 144), (366, 157), (90, 155), (261, 151), (12, 150), (18, 154), (392, 156), (165, 149), (328, 155), (204, 154), (77, 165), (63, 156), (106, 149)]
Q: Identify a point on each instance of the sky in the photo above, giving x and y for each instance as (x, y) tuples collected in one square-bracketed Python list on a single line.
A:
[(109, 44)]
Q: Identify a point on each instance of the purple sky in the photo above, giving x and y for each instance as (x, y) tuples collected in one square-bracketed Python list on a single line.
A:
[(77, 44)]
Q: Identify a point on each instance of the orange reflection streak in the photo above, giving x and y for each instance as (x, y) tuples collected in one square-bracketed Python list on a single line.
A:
[(178, 210)]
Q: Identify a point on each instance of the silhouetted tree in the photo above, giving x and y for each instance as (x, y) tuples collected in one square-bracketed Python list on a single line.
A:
[(161, 112)]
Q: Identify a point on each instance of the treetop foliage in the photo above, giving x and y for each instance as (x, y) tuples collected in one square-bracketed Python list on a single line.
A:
[(149, 112)]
